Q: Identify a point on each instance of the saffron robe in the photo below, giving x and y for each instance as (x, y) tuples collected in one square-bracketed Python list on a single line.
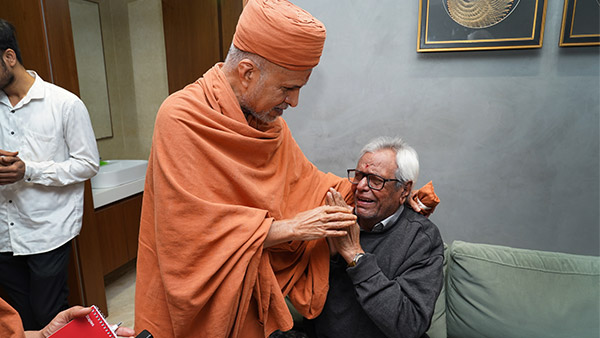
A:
[(213, 187), (10, 322)]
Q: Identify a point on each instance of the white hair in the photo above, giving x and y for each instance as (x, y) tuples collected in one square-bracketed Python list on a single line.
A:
[(235, 55), (407, 159)]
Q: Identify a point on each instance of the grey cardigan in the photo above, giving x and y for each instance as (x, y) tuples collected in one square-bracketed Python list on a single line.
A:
[(392, 290)]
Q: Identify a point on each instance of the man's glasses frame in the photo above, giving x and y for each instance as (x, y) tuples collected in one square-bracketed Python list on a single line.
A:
[(374, 181)]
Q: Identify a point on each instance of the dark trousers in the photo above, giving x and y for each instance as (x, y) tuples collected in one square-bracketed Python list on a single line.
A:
[(36, 285)]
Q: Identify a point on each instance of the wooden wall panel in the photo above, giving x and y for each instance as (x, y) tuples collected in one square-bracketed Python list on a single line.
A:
[(27, 17), (230, 12), (89, 255), (52, 58), (133, 214), (118, 230), (61, 47), (192, 44), (109, 221)]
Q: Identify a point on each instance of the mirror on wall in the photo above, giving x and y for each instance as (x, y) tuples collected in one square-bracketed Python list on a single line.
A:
[(91, 67)]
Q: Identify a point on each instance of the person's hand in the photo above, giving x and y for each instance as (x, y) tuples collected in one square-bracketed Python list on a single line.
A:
[(66, 316), (412, 201), (124, 332), (5, 157), (12, 168), (348, 245), (63, 318), (324, 221), (424, 200), (334, 198)]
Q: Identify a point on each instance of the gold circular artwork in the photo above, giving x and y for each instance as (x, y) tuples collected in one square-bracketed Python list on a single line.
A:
[(479, 13)]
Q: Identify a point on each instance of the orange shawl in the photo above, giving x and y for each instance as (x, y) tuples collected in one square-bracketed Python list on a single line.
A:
[(10, 322), (213, 187)]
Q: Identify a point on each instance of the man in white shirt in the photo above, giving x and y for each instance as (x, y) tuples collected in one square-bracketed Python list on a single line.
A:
[(47, 151)]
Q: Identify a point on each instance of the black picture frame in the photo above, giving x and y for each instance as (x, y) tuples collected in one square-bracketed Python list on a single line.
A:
[(450, 25), (580, 23)]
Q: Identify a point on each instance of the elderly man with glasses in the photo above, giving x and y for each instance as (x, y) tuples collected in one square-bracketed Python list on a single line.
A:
[(386, 274)]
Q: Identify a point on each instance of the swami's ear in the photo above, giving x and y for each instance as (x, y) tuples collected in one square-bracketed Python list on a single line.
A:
[(247, 72)]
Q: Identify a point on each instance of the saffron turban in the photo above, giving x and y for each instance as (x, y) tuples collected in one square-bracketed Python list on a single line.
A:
[(280, 32)]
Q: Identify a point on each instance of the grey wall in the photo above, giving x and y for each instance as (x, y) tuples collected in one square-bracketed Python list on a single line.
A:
[(509, 138)]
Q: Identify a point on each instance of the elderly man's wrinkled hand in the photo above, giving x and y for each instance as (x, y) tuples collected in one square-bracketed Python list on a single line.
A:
[(349, 245), (333, 197), (324, 221)]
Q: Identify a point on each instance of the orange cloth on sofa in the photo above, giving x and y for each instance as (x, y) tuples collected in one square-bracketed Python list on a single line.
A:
[(280, 32), (213, 187), (10, 322)]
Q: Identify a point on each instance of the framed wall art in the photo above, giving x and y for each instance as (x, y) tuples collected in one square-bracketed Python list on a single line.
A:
[(461, 25), (580, 23)]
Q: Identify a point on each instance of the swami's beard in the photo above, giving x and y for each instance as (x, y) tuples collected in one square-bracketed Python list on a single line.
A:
[(263, 117)]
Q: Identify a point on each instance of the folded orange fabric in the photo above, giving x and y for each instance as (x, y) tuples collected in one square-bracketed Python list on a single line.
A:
[(10, 322), (427, 199), (269, 27), (213, 187)]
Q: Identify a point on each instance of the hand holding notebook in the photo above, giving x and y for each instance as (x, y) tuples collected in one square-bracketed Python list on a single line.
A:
[(92, 325)]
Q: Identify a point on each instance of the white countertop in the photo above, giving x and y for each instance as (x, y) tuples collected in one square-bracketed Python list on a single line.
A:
[(106, 196)]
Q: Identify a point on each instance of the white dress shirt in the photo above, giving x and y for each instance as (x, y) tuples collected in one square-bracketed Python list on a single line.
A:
[(51, 129)]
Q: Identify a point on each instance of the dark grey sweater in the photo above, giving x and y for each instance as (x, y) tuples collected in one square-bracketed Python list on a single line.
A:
[(392, 290)]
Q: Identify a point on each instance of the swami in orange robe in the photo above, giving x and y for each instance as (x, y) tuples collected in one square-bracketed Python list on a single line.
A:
[(215, 184), (10, 322)]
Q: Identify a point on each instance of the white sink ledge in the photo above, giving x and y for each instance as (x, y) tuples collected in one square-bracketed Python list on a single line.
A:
[(119, 172), (118, 179)]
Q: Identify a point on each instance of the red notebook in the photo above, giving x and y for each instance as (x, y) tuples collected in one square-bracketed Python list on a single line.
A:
[(91, 326)]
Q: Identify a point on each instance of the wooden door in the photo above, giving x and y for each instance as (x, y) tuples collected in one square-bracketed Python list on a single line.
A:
[(197, 35)]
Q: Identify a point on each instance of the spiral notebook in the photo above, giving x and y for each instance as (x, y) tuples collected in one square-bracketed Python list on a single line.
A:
[(91, 326)]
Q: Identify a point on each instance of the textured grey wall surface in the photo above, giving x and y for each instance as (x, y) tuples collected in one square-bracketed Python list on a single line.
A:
[(509, 138)]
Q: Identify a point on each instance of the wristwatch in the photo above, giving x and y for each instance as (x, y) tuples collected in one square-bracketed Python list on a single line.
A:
[(355, 259)]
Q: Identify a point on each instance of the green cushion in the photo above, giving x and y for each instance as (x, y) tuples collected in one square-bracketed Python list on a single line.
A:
[(296, 316), (437, 329), (495, 291)]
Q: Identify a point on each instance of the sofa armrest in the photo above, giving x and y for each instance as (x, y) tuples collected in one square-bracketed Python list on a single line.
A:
[(437, 329)]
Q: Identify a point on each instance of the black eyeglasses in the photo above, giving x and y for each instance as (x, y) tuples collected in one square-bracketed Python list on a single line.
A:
[(374, 182)]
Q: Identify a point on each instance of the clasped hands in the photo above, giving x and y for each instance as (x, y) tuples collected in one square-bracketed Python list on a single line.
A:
[(12, 168), (348, 244), (334, 221), (325, 221)]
